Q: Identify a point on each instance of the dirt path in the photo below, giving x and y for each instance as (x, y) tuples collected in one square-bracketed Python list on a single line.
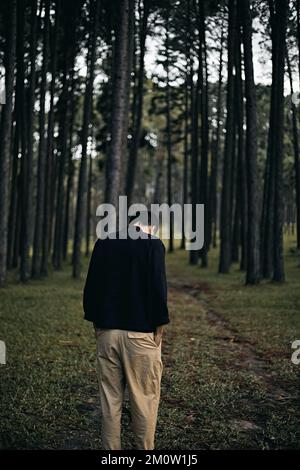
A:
[(182, 345), (246, 357)]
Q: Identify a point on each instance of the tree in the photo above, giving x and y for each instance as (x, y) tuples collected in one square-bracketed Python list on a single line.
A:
[(28, 190), (88, 99), (273, 223), (41, 176), (225, 227), (253, 243), (120, 89), (49, 196), (144, 8), (5, 132)]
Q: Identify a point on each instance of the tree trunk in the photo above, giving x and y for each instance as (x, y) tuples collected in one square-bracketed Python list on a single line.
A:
[(215, 150), (119, 90), (169, 140), (195, 91), (203, 190), (296, 150), (226, 209), (69, 58), (27, 173), (89, 208), (138, 111), (253, 243), (24, 252), (12, 218), (186, 155), (88, 100), (6, 130), (47, 226), (241, 180), (71, 172), (41, 176), (278, 11)]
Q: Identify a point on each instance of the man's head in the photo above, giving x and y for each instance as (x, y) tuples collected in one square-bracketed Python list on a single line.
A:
[(146, 220)]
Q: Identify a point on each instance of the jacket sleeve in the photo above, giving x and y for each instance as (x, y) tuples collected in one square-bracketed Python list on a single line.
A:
[(159, 284), (91, 288)]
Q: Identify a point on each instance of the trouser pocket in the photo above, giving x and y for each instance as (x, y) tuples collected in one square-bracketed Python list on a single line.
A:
[(142, 340)]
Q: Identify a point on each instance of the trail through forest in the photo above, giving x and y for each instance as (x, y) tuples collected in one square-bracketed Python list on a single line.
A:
[(223, 347)]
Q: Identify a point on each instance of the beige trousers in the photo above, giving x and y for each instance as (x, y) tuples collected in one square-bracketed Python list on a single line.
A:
[(133, 359)]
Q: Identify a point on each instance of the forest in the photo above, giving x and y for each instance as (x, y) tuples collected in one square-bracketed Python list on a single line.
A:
[(184, 101), (91, 114)]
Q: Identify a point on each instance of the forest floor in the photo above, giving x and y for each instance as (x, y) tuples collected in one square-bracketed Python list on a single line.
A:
[(228, 379)]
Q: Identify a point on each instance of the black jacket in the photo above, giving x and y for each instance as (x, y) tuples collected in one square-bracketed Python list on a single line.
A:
[(126, 285)]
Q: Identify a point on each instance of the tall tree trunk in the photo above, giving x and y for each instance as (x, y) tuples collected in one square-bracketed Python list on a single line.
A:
[(27, 173), (47, 227), (24, 252), (6, 130), (89, 208), (186, 155), (296, 150), (278, 23), (88, 100), (187, 116), (169, 139), (70, 49), (130, 88), (203, 189), (119, 90), (139, 98), (70, 170), (241, 181), (226, 209), (12, 218), (215, 146), (195, 105), (253, 242), (41, 176)]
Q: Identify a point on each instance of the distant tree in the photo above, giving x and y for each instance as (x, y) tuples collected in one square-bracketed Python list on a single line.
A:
[(253, 242), (28, 219), (226, 208), (49, 177), (120, 89), (5, 134), (41, 176), (88, 100)]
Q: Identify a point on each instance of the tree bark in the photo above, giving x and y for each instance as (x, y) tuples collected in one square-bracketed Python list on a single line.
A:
[(226, 208), (296, 149), (6, 131), (69, 58), (203, 187), (215, 150), (47, 226), (29, 216), (139, 99), (253, 242), (41, 176), (195, 105), (119, 90), (82, 183)]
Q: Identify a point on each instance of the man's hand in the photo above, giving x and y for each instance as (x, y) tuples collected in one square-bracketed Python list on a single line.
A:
[(158, 334)]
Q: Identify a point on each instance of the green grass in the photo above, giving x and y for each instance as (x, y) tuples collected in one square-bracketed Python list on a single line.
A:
[(48, 388)]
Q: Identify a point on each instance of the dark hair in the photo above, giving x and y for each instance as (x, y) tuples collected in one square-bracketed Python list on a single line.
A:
[(145, 218)]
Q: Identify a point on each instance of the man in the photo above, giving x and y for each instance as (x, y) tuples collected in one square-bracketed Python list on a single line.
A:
[(125, 296)]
